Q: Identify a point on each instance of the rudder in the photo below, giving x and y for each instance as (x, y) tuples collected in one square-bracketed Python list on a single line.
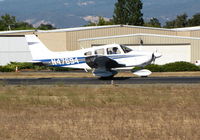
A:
[(38, 49)]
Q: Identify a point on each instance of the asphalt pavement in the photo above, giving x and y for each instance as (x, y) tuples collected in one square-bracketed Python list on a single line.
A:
[(94, 80)]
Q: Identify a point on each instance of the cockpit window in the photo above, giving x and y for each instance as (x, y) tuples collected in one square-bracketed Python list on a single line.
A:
[(126, 49), (113, 50)]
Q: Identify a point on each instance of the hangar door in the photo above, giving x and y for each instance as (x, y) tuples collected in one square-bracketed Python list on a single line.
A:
[(13, 49), (170, 53)]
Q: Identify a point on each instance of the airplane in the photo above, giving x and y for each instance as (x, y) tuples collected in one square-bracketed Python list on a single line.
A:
[(104, 61)]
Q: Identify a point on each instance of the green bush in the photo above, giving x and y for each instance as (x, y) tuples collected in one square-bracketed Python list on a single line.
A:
[(180, 66), (12, 67), (155, 68), (21, 65), (171, 67), (136, 68), (6, 69)]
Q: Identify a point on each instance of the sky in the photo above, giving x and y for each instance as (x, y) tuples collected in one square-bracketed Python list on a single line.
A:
[(75, 13)]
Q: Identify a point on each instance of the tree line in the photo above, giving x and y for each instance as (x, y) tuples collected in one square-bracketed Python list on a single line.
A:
[(128, 12), (8, 22)]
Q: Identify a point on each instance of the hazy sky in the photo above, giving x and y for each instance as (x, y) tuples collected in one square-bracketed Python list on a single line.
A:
[(72, 13)]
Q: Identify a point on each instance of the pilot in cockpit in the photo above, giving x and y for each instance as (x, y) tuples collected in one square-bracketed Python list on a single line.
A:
[(114, 50)]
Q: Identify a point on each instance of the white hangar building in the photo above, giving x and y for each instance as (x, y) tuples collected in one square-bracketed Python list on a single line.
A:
[(182, 44)]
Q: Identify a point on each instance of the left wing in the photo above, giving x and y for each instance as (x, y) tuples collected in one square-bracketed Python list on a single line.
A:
[(103, 65)]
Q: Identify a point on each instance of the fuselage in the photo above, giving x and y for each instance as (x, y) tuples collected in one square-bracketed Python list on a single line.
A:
[(102, 59), (76, 59)]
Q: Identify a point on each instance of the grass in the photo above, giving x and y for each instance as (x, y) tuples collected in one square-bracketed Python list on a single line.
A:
[(144, 112)]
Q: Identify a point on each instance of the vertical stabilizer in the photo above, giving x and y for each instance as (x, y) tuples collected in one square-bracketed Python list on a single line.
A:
[(38, 49)]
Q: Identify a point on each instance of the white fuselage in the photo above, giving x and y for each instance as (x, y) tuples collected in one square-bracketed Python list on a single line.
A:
[(76, 59)]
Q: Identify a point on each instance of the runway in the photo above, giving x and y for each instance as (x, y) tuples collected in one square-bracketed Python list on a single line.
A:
[(96, 81)]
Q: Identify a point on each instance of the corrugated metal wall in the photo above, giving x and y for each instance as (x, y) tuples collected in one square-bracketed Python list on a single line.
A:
[(69, 40), (54, 41), (184, 33), (73, 37), (195, 50), (195, 34), (134, 40)]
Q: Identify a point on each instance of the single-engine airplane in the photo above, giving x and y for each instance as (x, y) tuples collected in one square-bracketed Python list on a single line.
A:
[(103, 60)]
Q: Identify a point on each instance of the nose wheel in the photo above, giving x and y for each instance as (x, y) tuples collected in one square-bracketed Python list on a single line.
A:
[(142, 73)]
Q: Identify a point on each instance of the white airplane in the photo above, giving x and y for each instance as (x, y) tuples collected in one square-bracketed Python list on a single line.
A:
[(103, 60)]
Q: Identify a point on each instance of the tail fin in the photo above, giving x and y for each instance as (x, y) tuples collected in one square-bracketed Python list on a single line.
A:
[(38, 49)]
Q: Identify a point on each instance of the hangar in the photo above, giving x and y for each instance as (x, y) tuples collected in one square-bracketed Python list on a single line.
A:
[(182, 44)]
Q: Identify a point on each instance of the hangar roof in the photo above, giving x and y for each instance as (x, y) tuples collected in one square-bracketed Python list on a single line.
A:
[(16, 31), (99, 27), (187, 29)]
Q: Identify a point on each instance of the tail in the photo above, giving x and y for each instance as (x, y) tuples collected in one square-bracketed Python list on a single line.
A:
[(38, 50)]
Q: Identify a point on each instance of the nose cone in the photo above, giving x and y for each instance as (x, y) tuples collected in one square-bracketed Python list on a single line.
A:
[(157, 55)]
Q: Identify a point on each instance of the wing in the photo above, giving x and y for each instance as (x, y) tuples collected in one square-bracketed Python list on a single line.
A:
[(103, 65)]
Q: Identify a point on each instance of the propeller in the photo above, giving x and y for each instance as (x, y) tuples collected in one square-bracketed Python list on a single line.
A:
[(153, 58), (155, 55)]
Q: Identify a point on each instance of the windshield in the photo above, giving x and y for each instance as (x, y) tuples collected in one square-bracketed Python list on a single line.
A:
[(126, 49)]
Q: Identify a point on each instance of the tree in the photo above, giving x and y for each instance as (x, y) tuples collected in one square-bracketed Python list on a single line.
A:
[(180, 21), (23, 26), (170, 24), (154, 22), (128, 12), (46, 27), (101, 22), (90, 23), (7, 21), (120, 15), (195, 20)]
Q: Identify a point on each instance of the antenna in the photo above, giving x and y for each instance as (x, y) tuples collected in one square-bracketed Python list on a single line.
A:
[(141, 44), (141, 41)]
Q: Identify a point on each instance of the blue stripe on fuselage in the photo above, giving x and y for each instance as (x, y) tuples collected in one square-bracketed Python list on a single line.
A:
[(61, 62)]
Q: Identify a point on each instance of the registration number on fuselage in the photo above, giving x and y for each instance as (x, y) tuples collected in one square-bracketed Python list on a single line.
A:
[(65, 61)]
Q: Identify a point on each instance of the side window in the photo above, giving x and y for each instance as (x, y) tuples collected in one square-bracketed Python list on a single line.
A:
[(113, 50), (88, 53), (99, 51)]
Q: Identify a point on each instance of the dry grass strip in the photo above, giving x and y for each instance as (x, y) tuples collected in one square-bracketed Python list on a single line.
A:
[(140, 112)]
